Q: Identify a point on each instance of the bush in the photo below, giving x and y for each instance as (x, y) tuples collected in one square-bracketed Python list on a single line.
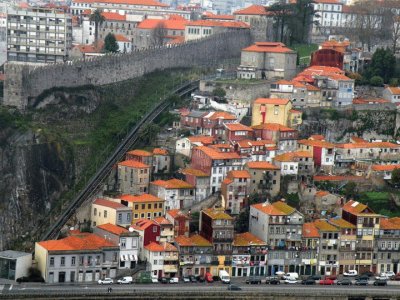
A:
[(219, 92), (394, 82), (376, 81)]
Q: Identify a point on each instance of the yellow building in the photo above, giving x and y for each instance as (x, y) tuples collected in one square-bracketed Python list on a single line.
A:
[(275, 110), (145, 206)]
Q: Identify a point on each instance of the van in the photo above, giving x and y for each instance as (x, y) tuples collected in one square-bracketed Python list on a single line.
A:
[(125, 280), (294, 276), (224, 276), (174, 280), (209, 277)]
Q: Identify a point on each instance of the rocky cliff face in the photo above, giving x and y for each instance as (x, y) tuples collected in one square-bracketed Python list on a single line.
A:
[(34, 170)]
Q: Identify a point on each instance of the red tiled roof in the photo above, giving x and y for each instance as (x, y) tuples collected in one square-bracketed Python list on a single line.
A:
[(170, 24), (134, 2), (79, 242), (138, 152), (215, 23), (390, 224), (121, 38), (217, 214), (142, 224), (273, 127), (341, 223), (246, 239), (140, 198), (321, 193), (133, 164), (192, 241), (310, 231), (278, 208), (270, 47), (214, 154), (108, 203), (394, 90), (160, 247), (173, 184), (174, 213), (291, 156), (237, 127), (194, 172), (380, 168), (205, 140), (215, 115), (162, 221), (316, 143), (210, 16), (368, 145), (370, 101), (239, 174), (252, 10), (274, 101), (111, 16), (264, 165), (323, 225), (160, 151), (117, 230)]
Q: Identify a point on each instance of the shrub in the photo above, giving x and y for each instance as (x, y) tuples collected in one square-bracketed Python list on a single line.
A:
[(394, 82), (376, 81)]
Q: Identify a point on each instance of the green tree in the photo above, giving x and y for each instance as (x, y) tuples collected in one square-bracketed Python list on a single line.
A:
[(302, 15), (396, 176), (394, 82), (98, 19), (219, 92), (376, 81), (110, 43), (350, 190), (383, 64)]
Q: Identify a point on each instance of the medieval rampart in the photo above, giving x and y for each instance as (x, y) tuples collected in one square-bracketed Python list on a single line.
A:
[(26, 82)]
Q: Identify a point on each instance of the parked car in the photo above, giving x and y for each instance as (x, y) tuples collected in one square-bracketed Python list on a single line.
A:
[(388, 274), (382, 276), (350, 273), (253, 280), (344, 281), (272, 280), (105, 281), (308, 281), (326, 281), (380, 282), (164, 280), (315, 277), (209, 277), (291, 275), (290, 281), (361, 282), (396, 277), (360, 277), (279, 273), (174, 280), (192, 278), (125, 280), (234, 287), (200, 278), (368, 273), (186, 279)]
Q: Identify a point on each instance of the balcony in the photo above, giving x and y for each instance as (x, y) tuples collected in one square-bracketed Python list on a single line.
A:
[(170, 257), (343, 248), (187, 262), (364, 248), (227, 263), (170, 268), (293, 237)]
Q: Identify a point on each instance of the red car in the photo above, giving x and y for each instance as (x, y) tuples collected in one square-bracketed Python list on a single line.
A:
[(332, 277), (326, 281), (209, 277)]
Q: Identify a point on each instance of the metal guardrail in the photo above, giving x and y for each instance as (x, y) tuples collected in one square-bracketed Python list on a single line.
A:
[(132, 137)]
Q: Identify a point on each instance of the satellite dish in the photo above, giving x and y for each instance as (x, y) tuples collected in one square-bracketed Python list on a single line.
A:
[(130, 229)]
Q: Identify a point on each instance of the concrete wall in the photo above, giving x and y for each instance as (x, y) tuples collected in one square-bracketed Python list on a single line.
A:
[(24, 83)]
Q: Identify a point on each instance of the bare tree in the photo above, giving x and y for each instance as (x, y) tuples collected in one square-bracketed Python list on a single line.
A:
[(158, 36), (396, 32)]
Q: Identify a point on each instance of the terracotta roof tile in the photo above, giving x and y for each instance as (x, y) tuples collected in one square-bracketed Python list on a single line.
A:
[(174, 213), (121, 38), (272, 127), (165, 24), (239, 174), (110, 16), (192, 241), (215, 23), (160, 151), (381, 168), (108, 203), (390, 224), (237, 127), (274, 101), (217, 214), (394, 90), (79, 242), (138, 152), (278, 208), (252, 10), (323, 225), (194, 172), (317, 143), (247, 239), (263, 165), (293, 156), (310, 231), (270, 47), (161, 247), (370, 101), (337, 178), (357, 208), (215, 115), (162, 221), (322, 193), (214, 154), (140, 198), (205, 140), (368, 145), (142, 224), (134, 2), (133, 164), (117, 230), (339, 222), (173, 184)]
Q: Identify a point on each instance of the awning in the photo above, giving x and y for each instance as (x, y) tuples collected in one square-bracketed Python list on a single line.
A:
[(122, 258), (133, 257)]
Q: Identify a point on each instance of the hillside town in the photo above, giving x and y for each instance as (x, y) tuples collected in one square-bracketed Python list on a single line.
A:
[(244, 181)]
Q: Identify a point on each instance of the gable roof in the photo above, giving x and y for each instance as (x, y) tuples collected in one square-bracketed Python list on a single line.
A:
[(246, 239), (323, 225), (357, 208), (78, 242), (238, 174), (205, 140), (173, 184), (138, 152), (293, 156), (237, 127), (387, 168), (192, 241), (278, 208), (174, 213), (263, 165), (114, 229), (252, 10), (108, 203), (215, 115), (162, 221), (194, 172), (215, 23), (133, 164), (217, 214), (214, 154), (341, 223), (316, 143), (134, 2), (169, 24), (393, 90), (121, 38), (140, 198), (160, 151), (111, 16), (142, 224), (272, 127), (161, 247), (310, 230)]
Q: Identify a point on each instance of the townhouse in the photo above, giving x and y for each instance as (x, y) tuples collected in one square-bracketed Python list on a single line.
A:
[(149, 231), (299, 163), (200, 180), (235, 190), (252, 14), (179, 220), (161, 259), (392, 94), (265, 178), (274, 110), (328, 17), (284, 137), (144, 206), (235, 132), (280, 226), (387, 245), (128, 243), (80, 257), (259, 150), (215, 163), (267, 60), (105, 211), (216, 226), (249, 255), (213, 123), (139, 155), (322, 151), (300, 94), (161, 161), (185, 145), (367, 224), (384, 171), (133, 177), (310, 249), (176, 193), (166, 229), (195, 255)]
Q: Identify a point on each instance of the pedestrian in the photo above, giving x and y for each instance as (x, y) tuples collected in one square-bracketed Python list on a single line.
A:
[(110, 289)]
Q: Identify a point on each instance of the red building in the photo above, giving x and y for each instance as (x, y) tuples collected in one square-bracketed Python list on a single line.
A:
[(148, 230), (213, 123), (237, 132), (328, 58)]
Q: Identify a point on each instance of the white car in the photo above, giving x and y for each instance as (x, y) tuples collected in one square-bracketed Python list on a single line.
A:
[(279, 273), (125, 280), (383, 276), (350, 273), (174, 280), (389, 274), (105, 281), (290, 281)]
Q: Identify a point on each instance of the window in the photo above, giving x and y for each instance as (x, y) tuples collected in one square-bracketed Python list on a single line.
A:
[(94, 211), (105, 214), (155, 262), (81, 259), (119, 217), (62, 264), (51, 261), (123, 243), (276, 109), (73, 261), (154, 229), (143, 206)]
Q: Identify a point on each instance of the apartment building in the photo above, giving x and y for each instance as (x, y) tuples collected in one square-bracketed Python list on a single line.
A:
[(133, 177), (264, 177), (38, 35), (144, 206), (178, 194), (235, 190), (110, 211)]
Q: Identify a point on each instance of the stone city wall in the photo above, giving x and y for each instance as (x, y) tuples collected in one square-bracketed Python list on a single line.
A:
[(25, 82)]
